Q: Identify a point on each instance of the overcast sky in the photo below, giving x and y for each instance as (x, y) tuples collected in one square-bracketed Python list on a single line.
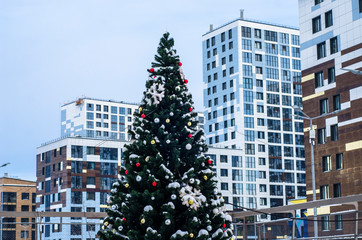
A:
[(52, 52)]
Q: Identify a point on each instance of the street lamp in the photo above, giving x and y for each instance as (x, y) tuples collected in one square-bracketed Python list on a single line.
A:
[(311, 141), (1, 227), (356, 72)]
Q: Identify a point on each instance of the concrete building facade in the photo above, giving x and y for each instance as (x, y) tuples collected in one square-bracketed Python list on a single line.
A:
[(331, 39), (74, 174), (17, 195), (252, 79)]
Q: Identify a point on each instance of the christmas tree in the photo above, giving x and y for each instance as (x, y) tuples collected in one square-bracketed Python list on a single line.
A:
[(167, 189)]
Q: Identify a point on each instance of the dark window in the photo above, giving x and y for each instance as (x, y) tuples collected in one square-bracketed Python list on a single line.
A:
[(326, 163), (321, 134), (222, 37), (339, 161), (77, 152), (338, 218), (25, 196), (334, 132), (321, 50), (318, 79), (230, 32), (324, 192), (316, 2), (316, 24), (246, 32), (323, 106), (336, 102), (328, 18), (360, 6), (326, 223), (331, 75), (337, 190), (9, 197), (25, 208), (334, 45), (213, 41)]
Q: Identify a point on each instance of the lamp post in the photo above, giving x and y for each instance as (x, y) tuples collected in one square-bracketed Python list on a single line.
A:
[(312, 141), (2, 202), (356, 72)]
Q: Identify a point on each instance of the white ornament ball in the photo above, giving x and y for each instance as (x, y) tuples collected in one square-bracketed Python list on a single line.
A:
[(200, 148), (138, 178), (171, 114), (168, 222), (114, 207), (177, 88), (168, 141), (137, 136), (142, 125), (152, 198), (120, 228), (215, 211), (203, 164), (192, 180), (157, 120), (167, 177), (173, 196), (144, 142), (209, 228), (188, 146)]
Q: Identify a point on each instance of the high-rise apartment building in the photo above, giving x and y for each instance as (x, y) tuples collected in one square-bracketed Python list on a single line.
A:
[(88, 117), (17, 195), (74, 174), (252, 79), (331, 39)]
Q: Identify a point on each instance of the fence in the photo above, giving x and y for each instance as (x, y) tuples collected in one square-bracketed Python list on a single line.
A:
[(337, 218)]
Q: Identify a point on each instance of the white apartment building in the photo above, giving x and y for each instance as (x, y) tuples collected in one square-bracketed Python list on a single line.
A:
[(252, 78), (88, 117)]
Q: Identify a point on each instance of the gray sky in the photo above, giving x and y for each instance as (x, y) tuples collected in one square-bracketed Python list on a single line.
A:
[(52, 52)]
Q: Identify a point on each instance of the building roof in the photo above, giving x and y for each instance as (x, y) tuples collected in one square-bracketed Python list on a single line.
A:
[(253, 21), (98, 99)]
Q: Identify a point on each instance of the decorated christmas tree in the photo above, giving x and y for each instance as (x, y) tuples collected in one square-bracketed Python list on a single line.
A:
[(167, 189)]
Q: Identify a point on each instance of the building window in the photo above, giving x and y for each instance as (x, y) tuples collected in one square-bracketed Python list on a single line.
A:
[(360, 6), (249, 148), (321, 134), (257, 45), (328, 18), (258, 57), (224, 186), (24, 196), (324, 192), (25, 208), (338, 218), (333, 45), (326, 164), (321, 50), (331, 75), (230, 45), (339, 161), (316, 2), (213, 41), (316, 24), (223, 172), (336, 102), (223, 37), (323, 106), (337, 190), (334, 132), (230, 33), (246, 32), (318, 79), (326, 223)]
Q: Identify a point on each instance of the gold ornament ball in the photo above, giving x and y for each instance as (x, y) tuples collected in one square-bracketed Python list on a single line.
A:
[(153, 142), (191, 235), (167, 120), (140, 109), (189, 124), (103, 227), (143, 221), (191, 202), (147, 159), (126, 185), (106, 224), (205, 177), (231, 238)]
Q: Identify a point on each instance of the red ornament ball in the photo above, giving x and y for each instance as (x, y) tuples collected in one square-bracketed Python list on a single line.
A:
[(124, 219), (152, 70), (143, 115), (126, 171), (180, 64), (154, 184), (190, 135), (224, 225), (190, 109), (186, 81), (138, 164), (209, 162)]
